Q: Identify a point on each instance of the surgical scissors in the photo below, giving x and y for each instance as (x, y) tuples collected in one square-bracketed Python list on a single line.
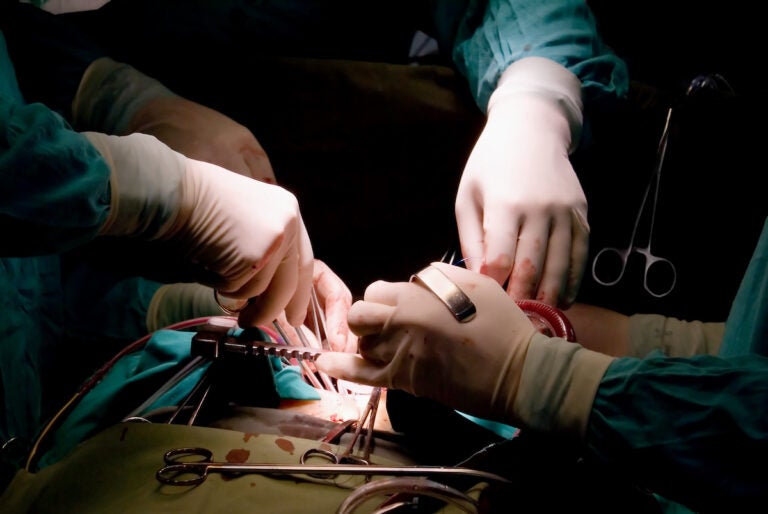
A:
[(197, 463), (623, 253)]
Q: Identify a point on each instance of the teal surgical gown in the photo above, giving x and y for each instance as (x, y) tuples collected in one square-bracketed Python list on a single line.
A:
[(489, 35), (54, 196), (695, 430)]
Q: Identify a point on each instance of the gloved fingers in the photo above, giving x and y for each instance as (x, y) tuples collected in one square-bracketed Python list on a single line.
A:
[(579, 253), (501, 251), (368, 318), (381, 349), (469, 222), (296, 309), (467, 280), (288, 289), (335, 300), (382, 291), (532, 246), (352, 367), (556, 267), (281, 288), (246, 278)]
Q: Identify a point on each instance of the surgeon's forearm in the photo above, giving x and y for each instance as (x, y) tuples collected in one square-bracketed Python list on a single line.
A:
[(599, 329)]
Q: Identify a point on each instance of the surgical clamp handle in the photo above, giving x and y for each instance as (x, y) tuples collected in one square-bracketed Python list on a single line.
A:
[(346, 457), (214, 342), (650, 259), (200, 469)]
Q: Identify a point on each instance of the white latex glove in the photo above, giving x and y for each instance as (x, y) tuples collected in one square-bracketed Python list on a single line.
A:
[(496, 365), (327, 316), (334, 299), (174, 303), (246, 237), (117, 99), (520, 210)]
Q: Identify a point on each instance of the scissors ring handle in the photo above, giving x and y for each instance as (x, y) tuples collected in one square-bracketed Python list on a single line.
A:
[(651, 260), (622, 255), (190, 460), (177, 455), (323, 454), (170, 474)]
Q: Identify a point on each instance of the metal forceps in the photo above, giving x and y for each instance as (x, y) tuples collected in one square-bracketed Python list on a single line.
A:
[(623, 253), (346, 456), (197, 463)]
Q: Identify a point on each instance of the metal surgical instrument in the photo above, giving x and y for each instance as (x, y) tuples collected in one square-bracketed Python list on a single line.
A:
[(178, 466), (623, 253), (213, 341), (346, 457)]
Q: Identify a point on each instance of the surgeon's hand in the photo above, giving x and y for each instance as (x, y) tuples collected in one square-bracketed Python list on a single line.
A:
[(203, 134), (245, 238), (334, 299), (115, 98), (327, 316), (496, 365), (520, 210)]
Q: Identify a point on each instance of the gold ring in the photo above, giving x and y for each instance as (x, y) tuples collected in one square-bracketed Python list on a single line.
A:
[(449, 293), (229, 310)]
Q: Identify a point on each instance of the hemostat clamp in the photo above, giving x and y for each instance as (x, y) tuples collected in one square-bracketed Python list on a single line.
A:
[(212, 341)]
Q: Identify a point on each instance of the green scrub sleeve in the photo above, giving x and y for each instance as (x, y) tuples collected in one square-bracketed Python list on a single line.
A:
[(54, 185), (493, 34), (692, 430)]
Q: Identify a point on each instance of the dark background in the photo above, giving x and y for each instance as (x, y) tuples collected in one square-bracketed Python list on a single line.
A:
[(374, 147)]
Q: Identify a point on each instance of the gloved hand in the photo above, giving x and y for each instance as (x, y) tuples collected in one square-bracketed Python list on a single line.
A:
[(334, 299), (174, 303), (246, 238), (520, 210), (117, 99), (496, 365)]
